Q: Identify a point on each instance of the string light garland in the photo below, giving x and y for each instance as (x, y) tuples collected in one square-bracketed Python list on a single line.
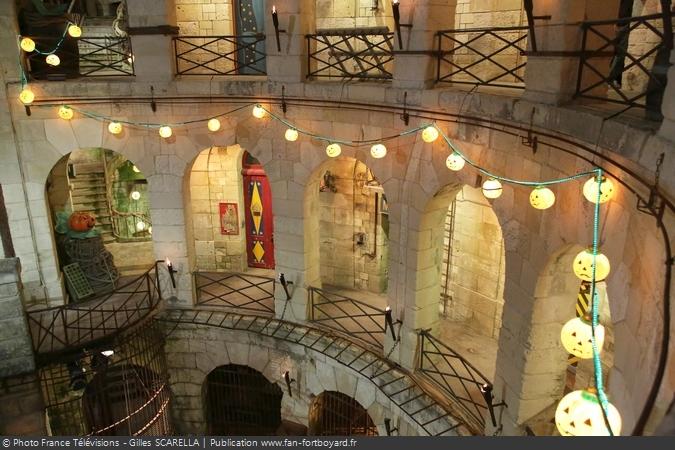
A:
[(213, 125), (291, 135)]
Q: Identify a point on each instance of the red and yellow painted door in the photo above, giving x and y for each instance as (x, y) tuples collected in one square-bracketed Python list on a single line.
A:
[(258, 212)]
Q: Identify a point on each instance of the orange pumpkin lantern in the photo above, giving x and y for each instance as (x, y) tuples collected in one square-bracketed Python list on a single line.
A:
[(81, 221)]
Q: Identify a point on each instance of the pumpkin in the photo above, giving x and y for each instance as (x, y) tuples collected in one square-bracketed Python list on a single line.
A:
[(81, 221)]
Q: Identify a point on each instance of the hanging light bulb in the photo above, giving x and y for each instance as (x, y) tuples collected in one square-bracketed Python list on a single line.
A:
[(140, 226), (258, 112), (429, 134), (542, 198), (26, 96), (27, 44), (135, 195), (213, 124), (455, 161), (53, 60), (115, 127), (579, 413), (165, 131), (492, 188), (65, 112), (291, 135), (333, 150), (74, 31), (591, 190), (378, 151), (583, 266), (576, 337)]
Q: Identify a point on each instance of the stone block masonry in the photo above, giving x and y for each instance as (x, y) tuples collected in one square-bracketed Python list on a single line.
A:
[(21, 407)]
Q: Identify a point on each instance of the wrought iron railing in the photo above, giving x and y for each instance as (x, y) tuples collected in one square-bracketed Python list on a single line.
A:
[(351, 54), (625, 60), (483, 56), (457, 377), (346, 315), (239, 291), (90, 57), (131, 226), (74, 325), (220, 55)]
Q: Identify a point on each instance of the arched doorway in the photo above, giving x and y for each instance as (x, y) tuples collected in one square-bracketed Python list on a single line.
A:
[(240, 401), (336, 414)]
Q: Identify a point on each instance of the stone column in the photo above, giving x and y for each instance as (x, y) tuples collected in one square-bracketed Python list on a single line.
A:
[(418, 71), (153, 53), (296, 17), (552, 78)]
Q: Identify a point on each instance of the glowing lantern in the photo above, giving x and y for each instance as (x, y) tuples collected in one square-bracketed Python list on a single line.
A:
[(135, 195), (258, 112), (492, 188), (53, 60), (579, 413), (542, 198), (455, 162), (333, 150), (378, 151), (136, 169), (165, 131), (213, 124), (430, 134), (27, 44), (115, 127), (65, 112), (74, 31), (140, 226), (576, 337), (291, 135), (583, 266), (26, 96), (591, 190)]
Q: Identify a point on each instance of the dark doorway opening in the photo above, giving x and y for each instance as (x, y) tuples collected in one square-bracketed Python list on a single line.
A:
[(336, 414)]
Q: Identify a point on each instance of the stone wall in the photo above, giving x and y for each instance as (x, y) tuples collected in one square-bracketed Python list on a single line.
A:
[(215, 177), (22, 411), (205, 17), (346, 216), (353, 14)]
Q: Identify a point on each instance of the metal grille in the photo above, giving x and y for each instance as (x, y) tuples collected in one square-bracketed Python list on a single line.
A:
[(234, 290), (483, 56), (636, 74), (240, 401), (220, 55), (349, 316), (122, 394), (336, 414), (361, 53)]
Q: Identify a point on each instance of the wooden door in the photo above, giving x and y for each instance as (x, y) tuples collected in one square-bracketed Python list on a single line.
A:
[(258, 212)]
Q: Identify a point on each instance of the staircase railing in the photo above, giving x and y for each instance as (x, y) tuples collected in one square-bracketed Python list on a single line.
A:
[(236, 291), (220, 55), (130, 226), (457, 377), (61, 328), (359, 54)]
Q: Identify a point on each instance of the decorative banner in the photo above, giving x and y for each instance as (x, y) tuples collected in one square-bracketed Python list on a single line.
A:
[(229, 219)]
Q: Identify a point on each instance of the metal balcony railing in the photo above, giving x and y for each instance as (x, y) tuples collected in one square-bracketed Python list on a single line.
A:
[(131, 226), (74, 325), (85, 57), (346, 315), (220, 55), (625, 61), (351, 54), (236, 291), (483, 56)]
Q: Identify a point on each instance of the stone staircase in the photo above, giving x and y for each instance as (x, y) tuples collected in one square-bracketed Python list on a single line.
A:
[(88, 193)]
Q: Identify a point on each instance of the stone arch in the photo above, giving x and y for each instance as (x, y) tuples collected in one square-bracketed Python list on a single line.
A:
[(333, 413)]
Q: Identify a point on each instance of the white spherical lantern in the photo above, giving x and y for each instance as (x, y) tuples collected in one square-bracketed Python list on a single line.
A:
[(291, 135), (258, 112), (455, 162), (542, 198), (576, 337), (53, 60), (65, 112), (333, 150), (115, 127), (429, 134), (140, 226), (165, 131), (27, 44), (591, 190), (492, 188), (213, 124), (579, 413), (74, 31), (583, 266), (26, 96), (378, 151), (135, 195)]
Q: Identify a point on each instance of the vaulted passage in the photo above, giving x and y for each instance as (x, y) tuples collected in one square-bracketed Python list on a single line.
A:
[(336, 414)]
